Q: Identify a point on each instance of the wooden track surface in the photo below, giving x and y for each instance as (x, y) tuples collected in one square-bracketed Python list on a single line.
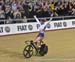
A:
[(61, 47)]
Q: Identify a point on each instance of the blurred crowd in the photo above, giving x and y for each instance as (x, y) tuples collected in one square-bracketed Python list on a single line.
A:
[(20, 9)]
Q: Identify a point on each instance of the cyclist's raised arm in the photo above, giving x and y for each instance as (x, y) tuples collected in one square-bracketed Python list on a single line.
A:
[(37, 19), (48, 21)]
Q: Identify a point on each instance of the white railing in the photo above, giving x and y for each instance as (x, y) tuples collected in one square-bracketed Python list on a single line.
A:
[(25, 20)]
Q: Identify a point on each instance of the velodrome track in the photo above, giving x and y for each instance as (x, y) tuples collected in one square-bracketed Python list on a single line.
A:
[(61, 47)]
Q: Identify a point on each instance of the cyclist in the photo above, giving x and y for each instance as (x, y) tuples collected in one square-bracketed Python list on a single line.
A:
[(43, 23)]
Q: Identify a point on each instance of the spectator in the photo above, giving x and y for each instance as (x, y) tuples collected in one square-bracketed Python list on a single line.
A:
[(27, 6), (2, 4), (58, 3), (8, 2), (38, 9), (8, 12), (45, 8), (70, 10), (17, 14), (52, 3), (54, 13), (73, 11), (65, 9), (2, 13), (14, 5), (41, 8), (19, 5)]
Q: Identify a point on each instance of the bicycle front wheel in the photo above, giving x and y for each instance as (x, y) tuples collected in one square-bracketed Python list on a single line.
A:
[(28, 51)]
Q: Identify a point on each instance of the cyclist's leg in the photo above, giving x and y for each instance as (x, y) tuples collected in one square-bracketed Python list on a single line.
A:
[(38, 41)]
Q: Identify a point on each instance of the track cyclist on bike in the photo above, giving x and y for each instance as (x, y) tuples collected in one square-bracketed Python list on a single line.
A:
[(43, 23)]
